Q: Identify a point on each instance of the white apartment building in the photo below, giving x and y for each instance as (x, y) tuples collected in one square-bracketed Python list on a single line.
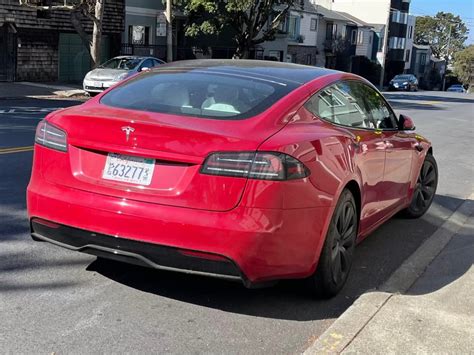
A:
[(380, 14)]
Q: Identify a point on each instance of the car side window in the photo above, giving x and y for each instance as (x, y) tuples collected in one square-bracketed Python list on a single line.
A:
[(147, 64), (340, 104), (380, 113)]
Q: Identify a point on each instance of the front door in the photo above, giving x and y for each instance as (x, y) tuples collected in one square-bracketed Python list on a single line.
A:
[(7, 52), (399, 148), (343, 105)]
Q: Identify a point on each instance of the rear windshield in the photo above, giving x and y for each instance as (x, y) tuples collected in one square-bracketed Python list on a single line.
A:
[(197, 93), (121, 63)]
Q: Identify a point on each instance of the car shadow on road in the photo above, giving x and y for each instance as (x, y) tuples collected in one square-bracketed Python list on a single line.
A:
[(446, 97), (377, 257), (403, 105)]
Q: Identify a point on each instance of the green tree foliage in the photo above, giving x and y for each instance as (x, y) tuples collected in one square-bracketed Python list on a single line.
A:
[(253, 21), (444, 32), (464, 65)]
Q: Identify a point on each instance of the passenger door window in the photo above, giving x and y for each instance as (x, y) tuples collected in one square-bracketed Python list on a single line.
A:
[(147, 64)]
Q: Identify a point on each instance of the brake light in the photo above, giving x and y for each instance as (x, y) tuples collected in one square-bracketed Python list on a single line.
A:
[(255, 165), (51, 136)]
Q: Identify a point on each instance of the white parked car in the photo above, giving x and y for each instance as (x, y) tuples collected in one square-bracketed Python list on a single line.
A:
[(115, 70), (456, 88)]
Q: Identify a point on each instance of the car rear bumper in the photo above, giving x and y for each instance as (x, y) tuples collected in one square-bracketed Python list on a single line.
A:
[(251, 244), (134, 252)]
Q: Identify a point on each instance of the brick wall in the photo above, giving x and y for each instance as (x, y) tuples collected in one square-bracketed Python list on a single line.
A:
[(37, 56)]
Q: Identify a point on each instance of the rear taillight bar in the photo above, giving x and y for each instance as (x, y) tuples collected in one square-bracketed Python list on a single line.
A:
[(255, 165), (51, 136)]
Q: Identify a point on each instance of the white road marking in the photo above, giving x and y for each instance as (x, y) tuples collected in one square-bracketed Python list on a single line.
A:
[(30, 111)]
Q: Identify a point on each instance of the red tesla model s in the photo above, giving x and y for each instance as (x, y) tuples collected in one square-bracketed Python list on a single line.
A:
[(246, 170)]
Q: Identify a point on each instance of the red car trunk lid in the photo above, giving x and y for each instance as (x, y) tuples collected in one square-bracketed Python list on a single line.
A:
[(178, 145)]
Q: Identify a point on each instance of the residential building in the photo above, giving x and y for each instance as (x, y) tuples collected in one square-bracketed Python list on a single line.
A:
[(420, 63), (334, 38), (303, 29), (145, 23), (145, 29), (314, 35), (362, 37), (41, 45), (380, 14), (428, 69)]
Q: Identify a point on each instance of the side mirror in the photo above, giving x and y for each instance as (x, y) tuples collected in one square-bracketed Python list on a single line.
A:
[(144, 69), (406, 123)]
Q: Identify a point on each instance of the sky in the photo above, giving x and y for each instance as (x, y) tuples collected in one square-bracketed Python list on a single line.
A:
[(463, 8)]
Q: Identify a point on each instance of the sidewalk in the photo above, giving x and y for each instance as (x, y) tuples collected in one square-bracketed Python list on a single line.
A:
[(21, 90), (435, 314)]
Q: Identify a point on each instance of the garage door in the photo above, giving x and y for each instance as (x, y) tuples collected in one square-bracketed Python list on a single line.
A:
[(74, 59)]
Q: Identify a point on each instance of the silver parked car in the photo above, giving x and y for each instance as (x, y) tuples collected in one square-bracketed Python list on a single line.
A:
[(456, 88), (115, 70)]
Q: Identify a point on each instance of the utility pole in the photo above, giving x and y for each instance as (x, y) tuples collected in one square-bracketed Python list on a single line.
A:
[(169, 32), (385, 47)]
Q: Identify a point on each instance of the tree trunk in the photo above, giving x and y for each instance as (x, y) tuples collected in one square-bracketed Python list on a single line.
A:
[(76, 23), (243, 50), (97, 33)]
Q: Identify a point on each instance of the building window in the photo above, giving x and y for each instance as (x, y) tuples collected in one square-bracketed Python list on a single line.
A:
[(399, 17), (314, 24), (293, 27), (139, 35), (407, 56), (331, 31), (360, 37), (309, 59), (396, 43), (353, 36), (410, 32), (423, 59)]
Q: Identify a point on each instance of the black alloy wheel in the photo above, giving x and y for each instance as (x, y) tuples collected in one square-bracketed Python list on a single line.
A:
[(338, 251), (425, 188)]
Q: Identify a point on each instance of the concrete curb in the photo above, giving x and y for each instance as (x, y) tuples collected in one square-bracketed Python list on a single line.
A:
[(341, 333)]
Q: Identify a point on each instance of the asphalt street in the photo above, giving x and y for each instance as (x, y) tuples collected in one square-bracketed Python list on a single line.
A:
[(54, 300)]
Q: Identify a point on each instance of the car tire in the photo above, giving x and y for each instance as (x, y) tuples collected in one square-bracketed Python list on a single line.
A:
[(337, 254), (425, 189)]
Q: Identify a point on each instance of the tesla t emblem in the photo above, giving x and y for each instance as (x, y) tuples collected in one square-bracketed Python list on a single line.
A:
[(128, 130)]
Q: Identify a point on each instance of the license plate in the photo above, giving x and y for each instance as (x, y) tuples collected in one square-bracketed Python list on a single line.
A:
[(124, 168), (97, 84)]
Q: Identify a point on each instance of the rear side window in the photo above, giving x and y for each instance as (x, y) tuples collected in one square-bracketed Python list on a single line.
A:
[(338, 104), (197, 93), (352, 104)]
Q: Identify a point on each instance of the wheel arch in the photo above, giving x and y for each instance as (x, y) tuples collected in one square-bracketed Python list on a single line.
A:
[(354, 188)]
